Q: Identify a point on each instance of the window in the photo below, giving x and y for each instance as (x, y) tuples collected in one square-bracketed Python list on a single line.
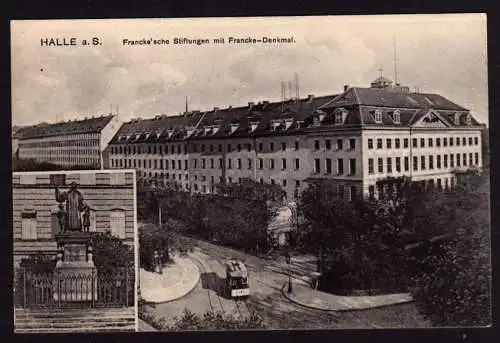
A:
[(415, 163), (283, 163), (239, 163), (414, 143), (271, 163), (405, 143), (476, 141), (229, 163), (316, 165), (422, 162), (220, 163), (389, 165), (28, 225), (211, 164), (457, 141), (249, 163), (261, 147), (470, 140), (339, 119), (451, 141), (316, 145), (398, 164), (297, 164), (464, 141), (370, 143), (347, 193), (445, 141), (328, 164), (297, 183), (379, 143), (458, 160), (407, 163), (371, 168), (179, 164), (397, 143), (431, 143), (380, 165), (438, 161), (431, 162), (340, 144), (117, 223), (439, 185), (378, 116), (452, 161), (284, 183), (397, 116), (116, 178), (296, 145), (470, 158), (340, 166), (422, 142), (271, 146), (445, 161), (438, 142), (328, 144), (352, 144), (261, 163), (228, 148), (238, 147), (283, 146), (476, 158), (464, 159), (388, 143)]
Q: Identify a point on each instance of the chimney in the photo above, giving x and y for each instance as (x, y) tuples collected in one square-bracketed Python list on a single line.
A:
[(346, 87), (216, 109), (250, 105), (310, 98)]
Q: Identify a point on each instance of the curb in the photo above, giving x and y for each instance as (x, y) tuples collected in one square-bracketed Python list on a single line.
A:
[(186, 292), (300, 303)]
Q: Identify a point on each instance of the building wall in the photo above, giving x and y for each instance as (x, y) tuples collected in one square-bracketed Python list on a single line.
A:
[(34, 192), (439, 173)]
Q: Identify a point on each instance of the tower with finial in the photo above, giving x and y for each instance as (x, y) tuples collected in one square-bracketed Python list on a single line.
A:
[(381, 81)]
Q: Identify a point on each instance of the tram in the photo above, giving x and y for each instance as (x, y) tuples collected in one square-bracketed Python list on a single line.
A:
[(237, 279)]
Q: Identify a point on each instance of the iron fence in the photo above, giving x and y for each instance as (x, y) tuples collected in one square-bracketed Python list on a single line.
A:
[(74, 288)]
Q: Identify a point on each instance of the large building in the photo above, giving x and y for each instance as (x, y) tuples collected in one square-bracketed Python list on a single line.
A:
[(352, 139), (110, 196), (70, 143)]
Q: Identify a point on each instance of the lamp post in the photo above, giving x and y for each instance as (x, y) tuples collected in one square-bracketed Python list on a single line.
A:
[(288, 258)]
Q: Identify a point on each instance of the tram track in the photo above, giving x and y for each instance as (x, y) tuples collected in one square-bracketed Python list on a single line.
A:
[(204, 270)]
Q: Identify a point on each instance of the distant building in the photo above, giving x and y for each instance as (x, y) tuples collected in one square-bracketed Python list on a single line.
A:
[(15, 141), (109, 194), (351, 139), (70, 143)]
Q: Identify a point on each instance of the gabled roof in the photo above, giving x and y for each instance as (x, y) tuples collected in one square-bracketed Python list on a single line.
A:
[(90, 125)]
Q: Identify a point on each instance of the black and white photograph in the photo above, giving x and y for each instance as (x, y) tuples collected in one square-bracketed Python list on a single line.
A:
[(74, 251), (315, 172)]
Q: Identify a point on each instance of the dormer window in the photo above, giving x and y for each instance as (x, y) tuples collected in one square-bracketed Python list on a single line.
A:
[(457, 118), (253, 126), (378, 116), (468, 119), (396, 116), (158, 134), (215, 129), (170, 132), (234, 127), (340, 116), (189, 131), (298, 124), (207, 130), (288, 123), (275, 124)]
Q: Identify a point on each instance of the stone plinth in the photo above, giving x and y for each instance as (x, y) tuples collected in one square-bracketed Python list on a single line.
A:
[(75, 274)]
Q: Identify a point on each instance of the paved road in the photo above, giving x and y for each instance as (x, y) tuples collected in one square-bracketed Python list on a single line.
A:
[(267, 277)]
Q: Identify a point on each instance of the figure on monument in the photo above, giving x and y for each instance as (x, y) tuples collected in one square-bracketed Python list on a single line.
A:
[(86, 218), (61, 217), (74, 205)]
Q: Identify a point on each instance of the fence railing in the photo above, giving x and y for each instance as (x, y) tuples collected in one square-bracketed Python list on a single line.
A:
[(74, 288)]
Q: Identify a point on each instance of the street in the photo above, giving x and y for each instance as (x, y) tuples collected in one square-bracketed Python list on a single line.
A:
[(266, 279)]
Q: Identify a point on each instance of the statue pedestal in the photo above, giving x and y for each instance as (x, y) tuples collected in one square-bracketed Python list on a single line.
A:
[(75, 274)]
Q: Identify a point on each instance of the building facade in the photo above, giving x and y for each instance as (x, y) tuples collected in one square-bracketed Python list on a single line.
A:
[(71, 143), (351, 139), (110, 196)]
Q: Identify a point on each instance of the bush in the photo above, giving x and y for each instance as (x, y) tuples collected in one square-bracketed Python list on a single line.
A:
[(215, 321)]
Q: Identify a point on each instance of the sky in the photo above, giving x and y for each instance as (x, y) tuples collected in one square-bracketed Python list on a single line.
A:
[(443, 54)]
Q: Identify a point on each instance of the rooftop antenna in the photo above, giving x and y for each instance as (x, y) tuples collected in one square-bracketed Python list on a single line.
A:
[(297, 87), (283, 95), (117, 112), (380, 70), (395, 59), (290, 89), (186, 111)]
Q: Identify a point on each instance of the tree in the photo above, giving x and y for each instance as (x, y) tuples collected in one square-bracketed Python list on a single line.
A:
[(453, 284), (110, 253), (190, 321)]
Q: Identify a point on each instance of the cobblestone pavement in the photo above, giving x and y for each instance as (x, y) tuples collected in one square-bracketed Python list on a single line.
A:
[(267, 277)]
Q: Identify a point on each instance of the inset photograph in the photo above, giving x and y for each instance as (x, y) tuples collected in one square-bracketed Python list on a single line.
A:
[(74, 251)]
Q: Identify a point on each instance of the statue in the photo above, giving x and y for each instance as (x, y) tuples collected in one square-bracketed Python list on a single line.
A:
[(61, 217), (86, 218), (74, 205)]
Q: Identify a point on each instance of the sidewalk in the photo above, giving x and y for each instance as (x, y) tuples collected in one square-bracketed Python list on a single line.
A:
[(176, 281), (308, 297)]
